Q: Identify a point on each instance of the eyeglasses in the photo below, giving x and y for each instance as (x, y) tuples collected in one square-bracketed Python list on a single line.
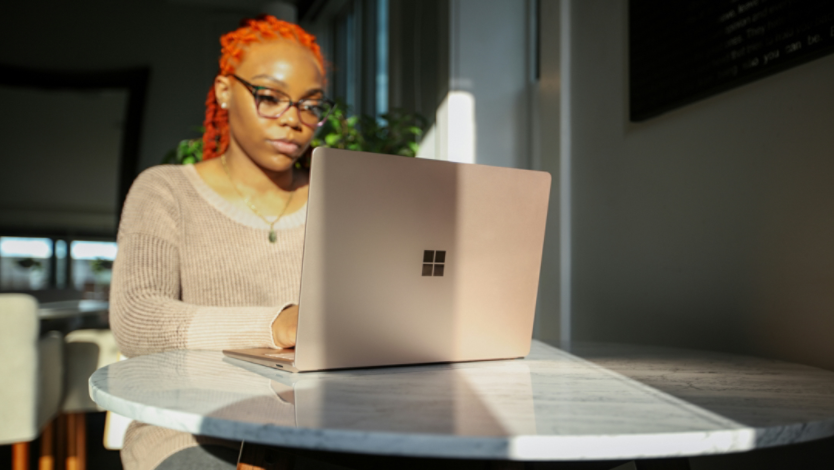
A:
[(272, 104)]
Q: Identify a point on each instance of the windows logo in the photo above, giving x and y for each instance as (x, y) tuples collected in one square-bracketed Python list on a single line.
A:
[(433, 262)]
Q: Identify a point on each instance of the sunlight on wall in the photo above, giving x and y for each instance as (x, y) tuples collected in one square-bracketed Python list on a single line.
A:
[(461, 128), (428, 146), (452, 137)]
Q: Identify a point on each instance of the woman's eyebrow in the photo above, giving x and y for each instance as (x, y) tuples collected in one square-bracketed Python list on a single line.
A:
[(283, 84), (271, 79), (313, 92)]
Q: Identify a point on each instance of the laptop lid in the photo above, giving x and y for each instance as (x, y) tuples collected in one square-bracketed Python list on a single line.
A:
[(416, 261)]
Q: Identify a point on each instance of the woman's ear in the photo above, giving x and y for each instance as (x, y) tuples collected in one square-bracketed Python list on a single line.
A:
[(223, 91)]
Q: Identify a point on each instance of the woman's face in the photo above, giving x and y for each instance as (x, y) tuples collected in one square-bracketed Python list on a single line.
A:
[(285, 66)]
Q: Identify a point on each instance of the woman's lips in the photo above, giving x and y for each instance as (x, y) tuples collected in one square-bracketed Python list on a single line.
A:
[(287, 147)]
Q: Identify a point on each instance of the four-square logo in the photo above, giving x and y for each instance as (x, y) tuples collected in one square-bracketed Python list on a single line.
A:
[(433, 262)]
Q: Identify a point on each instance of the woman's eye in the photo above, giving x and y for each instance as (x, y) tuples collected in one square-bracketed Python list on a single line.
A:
[(270, 98), (311, 106)]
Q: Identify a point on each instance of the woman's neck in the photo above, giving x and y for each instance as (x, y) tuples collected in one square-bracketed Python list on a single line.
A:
[(245, 172), (243, 183)]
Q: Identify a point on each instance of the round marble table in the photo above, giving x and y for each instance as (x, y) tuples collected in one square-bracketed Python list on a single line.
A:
[(602, 402), (71, 308), (69, 315)]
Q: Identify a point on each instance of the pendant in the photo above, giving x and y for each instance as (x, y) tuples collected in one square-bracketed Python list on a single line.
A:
[(273, 237)]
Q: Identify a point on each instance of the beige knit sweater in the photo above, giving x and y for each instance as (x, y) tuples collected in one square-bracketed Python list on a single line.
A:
[(195, 272)]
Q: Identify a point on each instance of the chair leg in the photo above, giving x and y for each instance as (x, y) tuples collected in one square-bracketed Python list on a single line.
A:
[(60, 441), (20, 456), (47, 459), (76, 441), (70, 460), (81, 440)]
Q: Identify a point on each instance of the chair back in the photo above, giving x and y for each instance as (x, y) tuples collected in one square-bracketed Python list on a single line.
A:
[(19, 327)]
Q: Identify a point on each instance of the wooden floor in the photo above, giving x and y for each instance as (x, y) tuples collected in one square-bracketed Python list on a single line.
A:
[(98, 458)]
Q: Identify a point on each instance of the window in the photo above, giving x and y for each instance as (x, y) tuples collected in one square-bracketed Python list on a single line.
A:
[(354, 36), (92, 265), (30, 263), (25, 263)]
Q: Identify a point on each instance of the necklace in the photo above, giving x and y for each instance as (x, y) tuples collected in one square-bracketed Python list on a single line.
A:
[(273, 237)]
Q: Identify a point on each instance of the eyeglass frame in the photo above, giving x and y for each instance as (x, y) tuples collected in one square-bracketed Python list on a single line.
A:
[(255, 88)]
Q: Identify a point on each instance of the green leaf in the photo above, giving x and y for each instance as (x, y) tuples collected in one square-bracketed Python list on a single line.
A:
[(182, 149), (414, 147), (332, 139)]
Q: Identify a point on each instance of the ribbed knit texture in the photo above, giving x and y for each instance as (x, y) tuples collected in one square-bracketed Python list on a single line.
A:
[(195, 272)]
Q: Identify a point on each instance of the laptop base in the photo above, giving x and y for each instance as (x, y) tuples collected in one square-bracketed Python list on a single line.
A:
[(266, 357)]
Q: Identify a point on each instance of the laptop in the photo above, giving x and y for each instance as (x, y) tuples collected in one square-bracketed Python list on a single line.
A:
[(414, 261)]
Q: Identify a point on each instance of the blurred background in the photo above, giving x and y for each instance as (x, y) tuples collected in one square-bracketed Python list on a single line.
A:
[(690, 145)]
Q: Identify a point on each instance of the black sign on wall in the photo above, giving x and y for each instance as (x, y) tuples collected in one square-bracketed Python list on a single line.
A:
[(681, 51)]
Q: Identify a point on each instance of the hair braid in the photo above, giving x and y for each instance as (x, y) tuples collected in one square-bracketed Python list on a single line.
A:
[(232, 46)]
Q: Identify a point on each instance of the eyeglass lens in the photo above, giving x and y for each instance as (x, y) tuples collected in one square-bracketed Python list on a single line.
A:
[(272, 104)]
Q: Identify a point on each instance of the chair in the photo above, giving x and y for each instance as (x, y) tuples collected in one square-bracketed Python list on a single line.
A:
[(32, 371), (115, 427), (86, 351)]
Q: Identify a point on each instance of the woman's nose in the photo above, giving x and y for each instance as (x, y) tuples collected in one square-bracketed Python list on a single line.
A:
[(291, 117)]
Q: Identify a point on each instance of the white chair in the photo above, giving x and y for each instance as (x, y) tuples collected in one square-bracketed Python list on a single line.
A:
[(115, 427), (32, 369), (86, 351)]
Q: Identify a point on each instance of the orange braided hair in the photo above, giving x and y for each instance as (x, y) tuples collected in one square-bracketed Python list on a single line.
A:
[(233, 44)]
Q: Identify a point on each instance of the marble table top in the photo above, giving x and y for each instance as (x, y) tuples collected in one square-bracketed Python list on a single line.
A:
[(602, 402)]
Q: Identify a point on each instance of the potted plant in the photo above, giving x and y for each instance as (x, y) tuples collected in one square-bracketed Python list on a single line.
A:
[(396, 133)]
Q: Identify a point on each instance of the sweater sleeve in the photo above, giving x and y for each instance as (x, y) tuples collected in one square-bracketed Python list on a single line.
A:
[(146, 313)]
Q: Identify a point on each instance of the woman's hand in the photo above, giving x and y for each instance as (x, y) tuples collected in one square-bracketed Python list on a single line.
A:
[(285, 326)]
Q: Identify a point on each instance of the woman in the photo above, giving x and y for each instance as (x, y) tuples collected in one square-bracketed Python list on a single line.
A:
[(210, 254)]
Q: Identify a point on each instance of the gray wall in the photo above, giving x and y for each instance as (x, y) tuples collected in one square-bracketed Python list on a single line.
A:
[(418, 55), (552, 317), (60, 172), (179, 41), (490, 59), (711, 226), (481, 104)]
